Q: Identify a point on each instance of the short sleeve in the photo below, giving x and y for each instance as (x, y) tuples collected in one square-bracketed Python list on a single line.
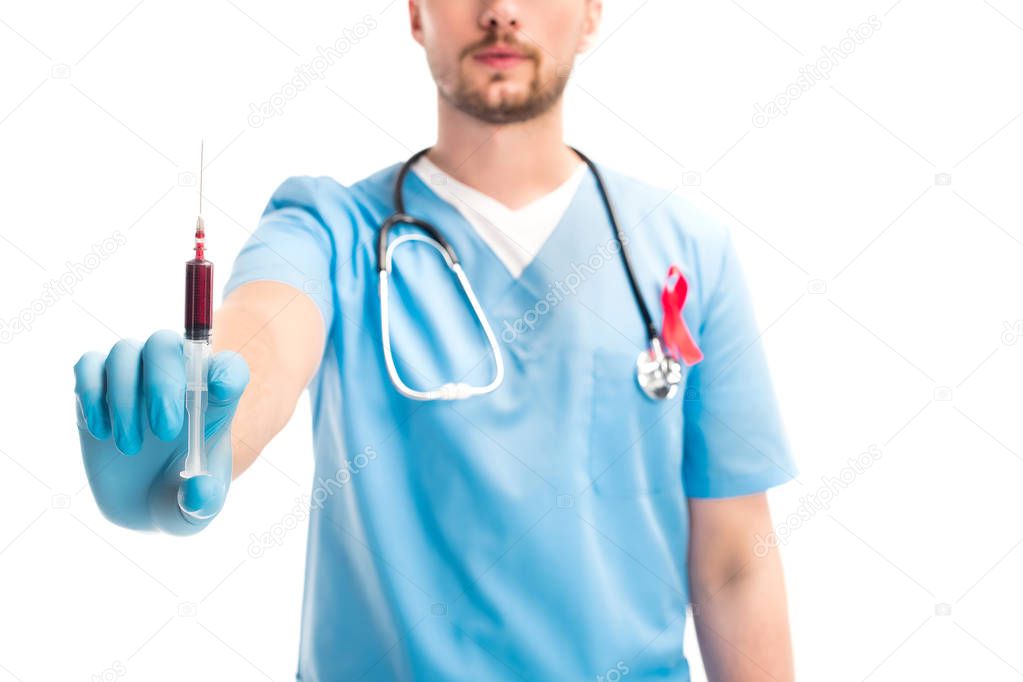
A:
[(734, 441), (291, 245)]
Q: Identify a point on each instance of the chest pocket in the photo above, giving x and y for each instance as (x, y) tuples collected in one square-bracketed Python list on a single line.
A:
[(635, 443)]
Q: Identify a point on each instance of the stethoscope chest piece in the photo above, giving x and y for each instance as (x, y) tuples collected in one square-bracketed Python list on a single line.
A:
[(658, 375)]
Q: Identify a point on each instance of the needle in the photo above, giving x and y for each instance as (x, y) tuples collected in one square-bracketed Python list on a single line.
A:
[(202, 152)]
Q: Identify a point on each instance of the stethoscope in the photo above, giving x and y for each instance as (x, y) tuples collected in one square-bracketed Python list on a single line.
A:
[(658, 375)]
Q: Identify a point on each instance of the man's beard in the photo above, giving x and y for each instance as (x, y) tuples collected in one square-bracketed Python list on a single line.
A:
[(541, 97)]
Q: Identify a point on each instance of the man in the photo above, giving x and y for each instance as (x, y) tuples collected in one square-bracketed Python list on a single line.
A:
[(554, 528)]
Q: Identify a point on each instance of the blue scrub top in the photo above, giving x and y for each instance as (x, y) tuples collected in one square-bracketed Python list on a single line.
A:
[(538, 532)]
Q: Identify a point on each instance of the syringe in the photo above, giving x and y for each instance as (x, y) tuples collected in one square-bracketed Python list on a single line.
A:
[(198, 330)]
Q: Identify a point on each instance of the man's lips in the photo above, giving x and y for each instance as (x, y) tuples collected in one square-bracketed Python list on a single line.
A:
[(500, 57)]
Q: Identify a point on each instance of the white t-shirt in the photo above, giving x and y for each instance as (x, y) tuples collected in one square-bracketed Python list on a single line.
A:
[(515, 236)]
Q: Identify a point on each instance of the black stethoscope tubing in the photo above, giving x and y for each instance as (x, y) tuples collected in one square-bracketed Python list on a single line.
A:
[(399, 217)]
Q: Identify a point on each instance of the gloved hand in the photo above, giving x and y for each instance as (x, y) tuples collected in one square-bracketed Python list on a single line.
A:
[(133, 431)]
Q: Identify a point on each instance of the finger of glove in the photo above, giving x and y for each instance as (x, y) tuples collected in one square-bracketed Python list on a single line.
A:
[(200, 498), (163, 383), (124, 395), (90, 394), (228, 376)]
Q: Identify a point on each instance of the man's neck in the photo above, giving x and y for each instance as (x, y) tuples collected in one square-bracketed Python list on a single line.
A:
[(513, 164)]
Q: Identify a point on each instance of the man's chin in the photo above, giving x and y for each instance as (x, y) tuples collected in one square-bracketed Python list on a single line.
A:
[(504, 102), (502, 88)]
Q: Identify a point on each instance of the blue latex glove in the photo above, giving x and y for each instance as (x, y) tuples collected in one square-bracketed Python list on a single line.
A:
[(131, 423)]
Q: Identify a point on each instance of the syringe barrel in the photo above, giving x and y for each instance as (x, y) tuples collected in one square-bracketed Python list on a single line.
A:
[(197, 361), (198, 299)]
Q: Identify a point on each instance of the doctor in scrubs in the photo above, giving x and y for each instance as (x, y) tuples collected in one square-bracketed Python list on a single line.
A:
[(554, 528)]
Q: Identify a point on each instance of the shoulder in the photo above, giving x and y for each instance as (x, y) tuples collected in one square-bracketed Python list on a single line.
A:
[(335, 205), (672, 224), (675, 207), (314, 194)]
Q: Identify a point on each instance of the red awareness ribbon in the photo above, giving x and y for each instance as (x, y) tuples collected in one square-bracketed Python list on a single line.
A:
[(675, 334)]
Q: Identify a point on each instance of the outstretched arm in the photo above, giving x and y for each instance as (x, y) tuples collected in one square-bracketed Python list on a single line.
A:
[(280, 333)]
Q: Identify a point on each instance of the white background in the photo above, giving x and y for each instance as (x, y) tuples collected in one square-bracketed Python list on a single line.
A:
[(907, 342)]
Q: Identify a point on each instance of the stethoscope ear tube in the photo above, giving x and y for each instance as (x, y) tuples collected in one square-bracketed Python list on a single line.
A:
[(644, 311), (383, 262), (453, 390)]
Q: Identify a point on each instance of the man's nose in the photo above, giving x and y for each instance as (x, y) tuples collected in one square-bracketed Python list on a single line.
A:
[(499, 16)]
